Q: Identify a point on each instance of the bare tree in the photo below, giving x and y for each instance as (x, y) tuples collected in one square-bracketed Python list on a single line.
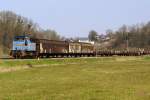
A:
[(11, 25)]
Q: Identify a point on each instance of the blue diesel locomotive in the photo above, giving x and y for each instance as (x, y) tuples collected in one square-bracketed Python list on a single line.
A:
[(23, 46)]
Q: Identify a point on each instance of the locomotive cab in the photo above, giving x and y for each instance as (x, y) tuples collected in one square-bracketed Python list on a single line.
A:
[(23, 46)]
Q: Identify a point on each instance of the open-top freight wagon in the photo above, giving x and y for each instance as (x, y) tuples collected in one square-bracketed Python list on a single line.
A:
[(24, 46)]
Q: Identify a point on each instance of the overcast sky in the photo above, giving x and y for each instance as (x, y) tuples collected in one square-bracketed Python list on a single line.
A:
[(75, 18)]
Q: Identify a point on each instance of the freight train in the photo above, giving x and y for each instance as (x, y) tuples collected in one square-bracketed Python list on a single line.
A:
[(24, 46)]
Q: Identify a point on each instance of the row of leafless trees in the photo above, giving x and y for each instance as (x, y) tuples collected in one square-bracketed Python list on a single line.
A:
[(12, 24), (135, 36), (132, 36)]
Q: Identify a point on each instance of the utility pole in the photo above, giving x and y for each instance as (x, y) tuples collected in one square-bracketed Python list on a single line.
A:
[(97, 44), (127, 37)]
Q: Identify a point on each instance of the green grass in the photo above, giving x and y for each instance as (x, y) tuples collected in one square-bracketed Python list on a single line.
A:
[(112, 78)]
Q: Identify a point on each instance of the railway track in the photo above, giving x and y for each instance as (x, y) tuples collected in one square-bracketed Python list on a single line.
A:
[(98, 55)]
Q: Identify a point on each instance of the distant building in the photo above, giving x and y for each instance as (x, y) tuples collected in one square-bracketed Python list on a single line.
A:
[(104, 37), (85, 40)]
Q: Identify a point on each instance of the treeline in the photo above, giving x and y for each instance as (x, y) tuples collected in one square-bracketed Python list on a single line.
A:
[(136, 36), (12, 24)]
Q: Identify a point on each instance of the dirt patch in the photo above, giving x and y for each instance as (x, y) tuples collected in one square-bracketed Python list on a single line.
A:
[(11, 69), (122, 59), (2, 70)]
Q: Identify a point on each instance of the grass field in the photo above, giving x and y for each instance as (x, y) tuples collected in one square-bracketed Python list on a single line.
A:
[(107, 78)]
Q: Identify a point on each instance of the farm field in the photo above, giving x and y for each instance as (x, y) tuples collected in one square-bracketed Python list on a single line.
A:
[(105, 78)]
